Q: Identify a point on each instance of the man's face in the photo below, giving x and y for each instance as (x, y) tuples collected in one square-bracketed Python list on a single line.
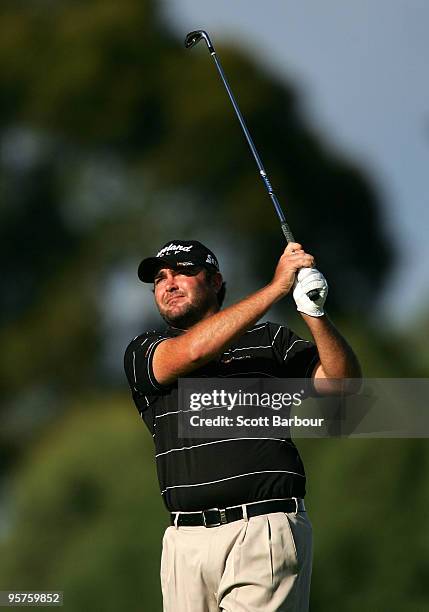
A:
[(185, 296)]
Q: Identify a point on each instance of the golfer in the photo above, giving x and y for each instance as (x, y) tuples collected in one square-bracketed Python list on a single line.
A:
[(240, 539)]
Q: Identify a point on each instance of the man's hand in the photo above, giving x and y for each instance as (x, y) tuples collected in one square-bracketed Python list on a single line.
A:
[(293, 259), (308, 279)]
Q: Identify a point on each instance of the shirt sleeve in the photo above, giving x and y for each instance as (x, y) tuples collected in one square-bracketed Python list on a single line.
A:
[(297, 356), (138, 364)]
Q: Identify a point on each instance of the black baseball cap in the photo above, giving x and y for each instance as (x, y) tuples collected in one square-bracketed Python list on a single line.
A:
[(177, 254)]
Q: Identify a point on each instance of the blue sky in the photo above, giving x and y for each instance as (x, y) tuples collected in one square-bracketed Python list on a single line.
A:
[(361, 69)]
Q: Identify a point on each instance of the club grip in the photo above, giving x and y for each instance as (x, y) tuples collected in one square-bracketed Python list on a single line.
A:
[(287, 233), (313, 295)]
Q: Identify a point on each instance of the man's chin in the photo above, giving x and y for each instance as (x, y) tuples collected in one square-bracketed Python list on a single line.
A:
[(182, 318)]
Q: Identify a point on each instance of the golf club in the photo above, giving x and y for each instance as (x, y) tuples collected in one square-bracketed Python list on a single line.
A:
[(194, 38)]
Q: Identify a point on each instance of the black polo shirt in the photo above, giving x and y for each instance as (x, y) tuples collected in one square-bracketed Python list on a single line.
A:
[(196, 474)]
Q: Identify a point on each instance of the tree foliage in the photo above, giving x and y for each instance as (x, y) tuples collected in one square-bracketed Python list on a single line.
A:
[(86, 512), (115, 139)]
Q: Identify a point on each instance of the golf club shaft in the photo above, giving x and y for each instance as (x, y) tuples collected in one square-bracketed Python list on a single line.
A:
[(192, 39), (285, 227)]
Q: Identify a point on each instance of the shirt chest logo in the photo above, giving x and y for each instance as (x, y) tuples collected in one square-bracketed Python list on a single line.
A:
[(229, 357)]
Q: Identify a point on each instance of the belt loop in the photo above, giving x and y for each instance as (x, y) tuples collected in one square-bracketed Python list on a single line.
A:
[(296, 505), (176, 520), (244, 507)]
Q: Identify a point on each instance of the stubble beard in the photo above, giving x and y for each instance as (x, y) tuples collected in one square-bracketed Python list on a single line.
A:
[(190, 315)]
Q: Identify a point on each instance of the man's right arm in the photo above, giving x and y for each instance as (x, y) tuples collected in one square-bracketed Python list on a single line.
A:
[(210, 337)]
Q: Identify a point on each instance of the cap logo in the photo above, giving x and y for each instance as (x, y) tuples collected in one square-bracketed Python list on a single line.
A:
[(175, 248), (211, 260)]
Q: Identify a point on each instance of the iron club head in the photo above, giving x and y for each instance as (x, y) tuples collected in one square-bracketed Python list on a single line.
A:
[(193, 38)]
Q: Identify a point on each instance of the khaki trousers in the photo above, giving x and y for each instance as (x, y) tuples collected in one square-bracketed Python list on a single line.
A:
[(263, 564)]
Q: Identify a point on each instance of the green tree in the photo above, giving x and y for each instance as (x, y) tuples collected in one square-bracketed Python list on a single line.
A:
[(134, 142)]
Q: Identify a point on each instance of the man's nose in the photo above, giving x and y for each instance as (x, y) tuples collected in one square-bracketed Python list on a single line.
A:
[(171, 283)]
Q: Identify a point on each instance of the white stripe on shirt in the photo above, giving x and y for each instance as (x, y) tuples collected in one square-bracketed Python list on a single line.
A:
[(134, 366), (244, 348), (148, 354), (173, 450), (200, 484), (293, 343), (256, 328)]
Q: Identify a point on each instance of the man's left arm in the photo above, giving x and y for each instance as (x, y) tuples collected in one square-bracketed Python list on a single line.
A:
[(337, 359)]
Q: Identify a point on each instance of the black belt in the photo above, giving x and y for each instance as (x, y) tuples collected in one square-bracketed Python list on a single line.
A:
[(213, 517)]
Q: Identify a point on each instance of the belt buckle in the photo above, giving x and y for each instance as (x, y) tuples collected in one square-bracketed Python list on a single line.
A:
[(295, 499), (222, 516)]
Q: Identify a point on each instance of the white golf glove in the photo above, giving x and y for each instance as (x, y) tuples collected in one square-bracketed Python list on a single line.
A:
[(306, 280)]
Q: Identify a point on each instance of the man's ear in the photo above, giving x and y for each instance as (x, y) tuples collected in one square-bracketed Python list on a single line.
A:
[(216, 281)]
